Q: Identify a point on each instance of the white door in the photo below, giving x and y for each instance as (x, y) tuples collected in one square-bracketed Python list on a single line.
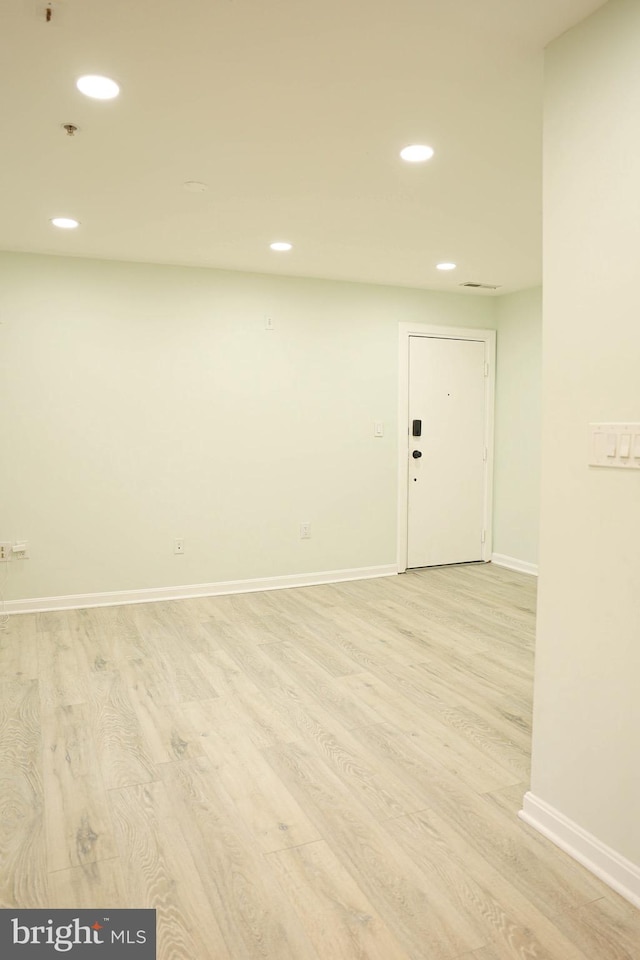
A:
[(446, 451)]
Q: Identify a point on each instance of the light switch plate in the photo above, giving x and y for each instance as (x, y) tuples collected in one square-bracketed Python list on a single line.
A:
[(614, 445)]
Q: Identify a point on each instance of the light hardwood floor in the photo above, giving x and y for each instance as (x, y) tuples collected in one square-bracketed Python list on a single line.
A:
[(327, 773)]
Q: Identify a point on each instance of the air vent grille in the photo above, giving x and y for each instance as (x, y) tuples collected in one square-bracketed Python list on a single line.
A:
[(481, 286)]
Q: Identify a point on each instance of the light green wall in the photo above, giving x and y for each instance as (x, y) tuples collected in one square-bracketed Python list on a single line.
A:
[(517, 436), (142, 403), (586, 743)]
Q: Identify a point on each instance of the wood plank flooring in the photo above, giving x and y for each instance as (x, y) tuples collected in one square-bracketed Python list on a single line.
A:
[(326, 773)]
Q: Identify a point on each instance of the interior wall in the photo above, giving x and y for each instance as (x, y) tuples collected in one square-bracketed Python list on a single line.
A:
[(143, 403), (517, 426), (586, 744)]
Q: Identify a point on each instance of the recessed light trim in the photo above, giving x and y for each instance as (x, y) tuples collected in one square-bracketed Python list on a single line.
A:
[(446, 266), (416, 153), (281, 246), (65, 223), (97, 87)]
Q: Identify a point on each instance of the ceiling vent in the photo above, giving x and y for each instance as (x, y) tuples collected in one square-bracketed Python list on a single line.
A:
[(481, 286)]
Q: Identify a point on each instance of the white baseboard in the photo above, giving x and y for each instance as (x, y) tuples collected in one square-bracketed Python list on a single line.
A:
[(614, 869), (522, 566), (80, 600)]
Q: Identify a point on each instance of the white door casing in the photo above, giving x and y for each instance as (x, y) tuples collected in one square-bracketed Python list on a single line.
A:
[(447, 380)]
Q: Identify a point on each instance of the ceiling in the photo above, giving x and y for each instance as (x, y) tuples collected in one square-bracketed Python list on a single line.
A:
[(293, 113)]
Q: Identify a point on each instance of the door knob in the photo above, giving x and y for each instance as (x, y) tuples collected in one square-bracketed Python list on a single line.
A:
[(416, 454)]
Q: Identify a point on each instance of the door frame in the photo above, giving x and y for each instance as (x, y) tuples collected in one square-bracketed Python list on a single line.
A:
[(488, 337)]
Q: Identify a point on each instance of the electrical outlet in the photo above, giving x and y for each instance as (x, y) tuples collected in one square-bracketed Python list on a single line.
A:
[(178, 546), (20, 550), (305, 531), (6, 552), (268, 323)]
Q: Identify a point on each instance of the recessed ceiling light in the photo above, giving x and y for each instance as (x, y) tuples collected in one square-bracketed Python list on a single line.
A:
[(280, 245), (100, 88), (416, 153), (65, 223), (445, 266)]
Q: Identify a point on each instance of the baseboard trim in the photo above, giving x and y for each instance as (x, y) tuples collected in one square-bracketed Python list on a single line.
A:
[(522, 566), (154, 594), (615, 870)]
